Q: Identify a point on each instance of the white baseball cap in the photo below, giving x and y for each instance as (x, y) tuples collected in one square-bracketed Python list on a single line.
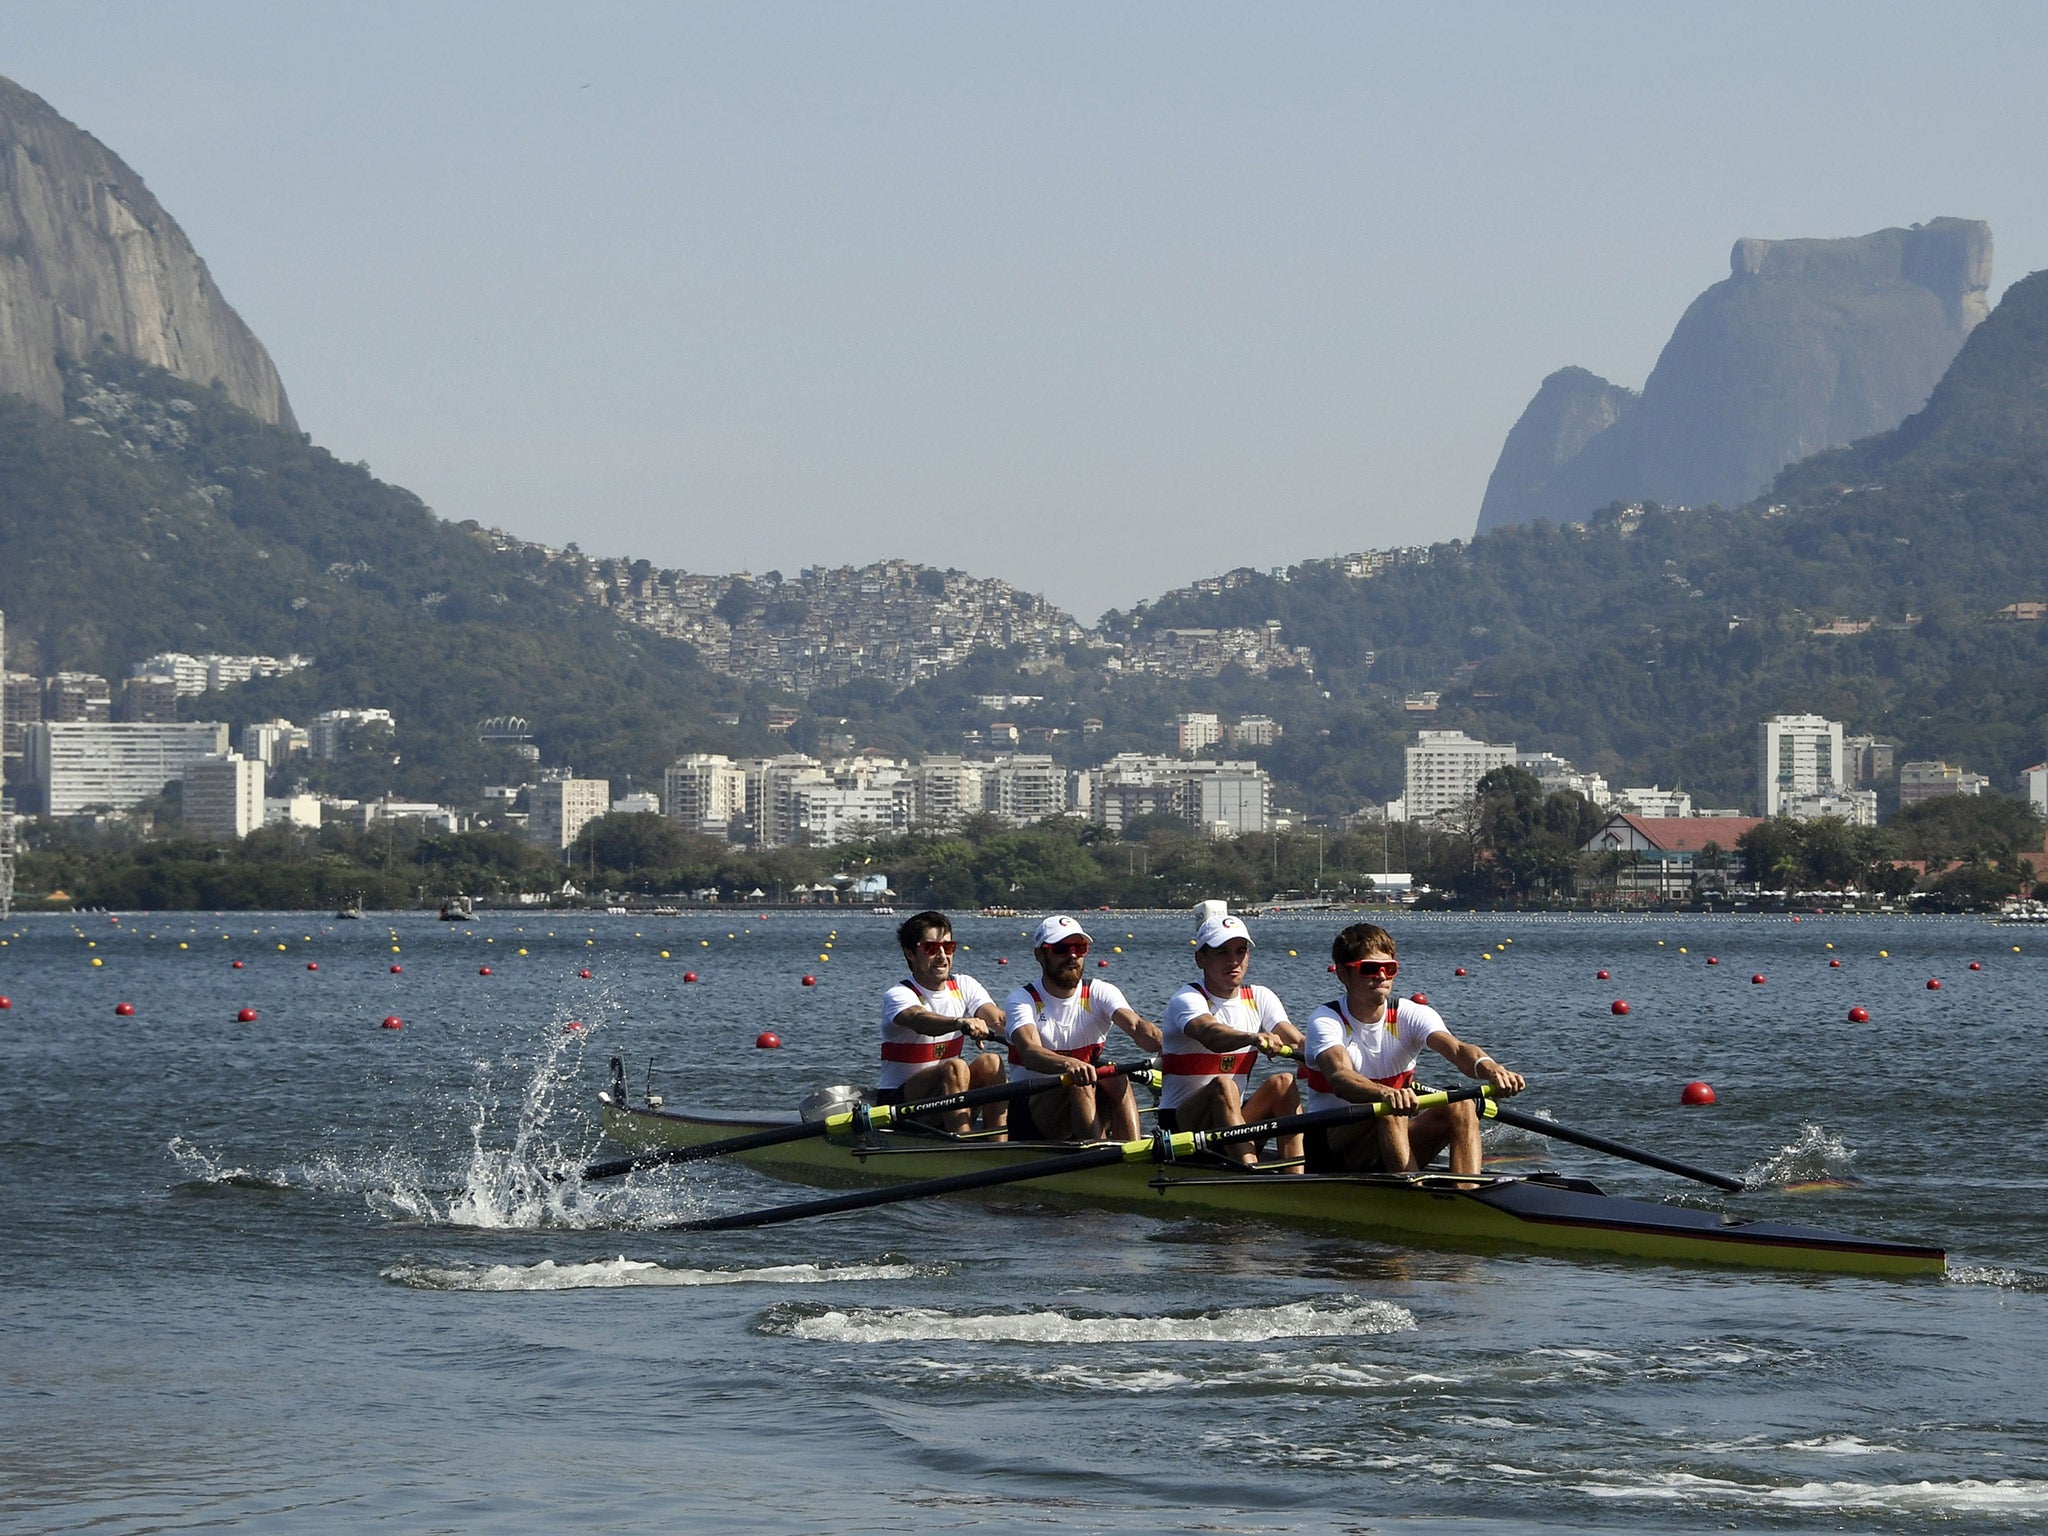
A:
[(1057, 930), (1219, 931)]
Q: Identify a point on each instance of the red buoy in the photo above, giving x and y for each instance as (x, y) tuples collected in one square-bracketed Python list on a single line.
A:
[(1331, 969), (689, 975), (574, 1024), (1976, 965), (238, 965), (6, 1002), (1933, 985), (1418, 997), (810, 981), (1697, 1093), (1600, 976), (1101, 965), (483, 970), (124, 1009), (768, 1040), (394, 1022), (1834, 965), (1001, 961), (1713, 960), (1757, 980), (396, 969), (312, 965), (1617, 1006), (246, 1016), (1859, 1015), (1460, 971), (584, 974)]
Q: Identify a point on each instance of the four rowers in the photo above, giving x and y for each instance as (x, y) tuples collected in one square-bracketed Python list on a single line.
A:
[(1360, 1048)]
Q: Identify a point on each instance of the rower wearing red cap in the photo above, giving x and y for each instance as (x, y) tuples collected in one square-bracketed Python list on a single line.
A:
[(1214, 1032), (1362, 1049), (1057, 1027), (927, 1020)]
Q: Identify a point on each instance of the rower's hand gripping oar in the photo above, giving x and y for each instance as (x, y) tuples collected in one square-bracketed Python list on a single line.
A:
[(860, 1117), (1162, 1147)]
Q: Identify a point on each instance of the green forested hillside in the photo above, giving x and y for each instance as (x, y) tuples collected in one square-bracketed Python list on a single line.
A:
[(161, 518)]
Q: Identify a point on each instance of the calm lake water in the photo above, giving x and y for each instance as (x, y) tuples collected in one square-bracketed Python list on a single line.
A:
[(282, 1276)]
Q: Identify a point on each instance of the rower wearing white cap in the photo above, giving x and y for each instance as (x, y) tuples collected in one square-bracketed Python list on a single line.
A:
[(1213, 1033), (1057, 1026)]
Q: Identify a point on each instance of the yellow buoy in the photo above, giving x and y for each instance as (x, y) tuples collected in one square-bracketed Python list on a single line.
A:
[(664, 954), (1884, 954), (97, 961)]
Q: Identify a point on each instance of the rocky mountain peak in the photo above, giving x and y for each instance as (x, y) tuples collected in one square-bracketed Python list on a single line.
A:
[(90, 261)]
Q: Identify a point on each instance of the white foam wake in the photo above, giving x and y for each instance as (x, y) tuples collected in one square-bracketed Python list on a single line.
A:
[(1968, 1495), (1340, 1317), (1818, 1153), (622, 1272)]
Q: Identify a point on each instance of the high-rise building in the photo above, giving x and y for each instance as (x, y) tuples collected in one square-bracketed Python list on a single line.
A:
[(147, 699), (224, 795), (1023, 788), (21, 705), (772, 783), (270, 742), (1254, 731), (1800, 755), (77, 696), (336, 732), (1232, 797), (1193, 732), (559, 809), (1444, 770), (1660, 804), (1866, 759), (1554, 773), (1930, 780), (949, 790), (87, 765), (705, 792), (1858, 807), (827, 813)]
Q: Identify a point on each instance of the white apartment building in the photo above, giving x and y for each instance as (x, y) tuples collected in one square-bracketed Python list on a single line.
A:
[(1801, 755), (833, 813), (1024, 788), (1444, 770), (272, 741), (706, 792), (1927, 780), (1193, 732), (1254, 731), (559, 809), (1663, 804), (1232, 797), (640, 803), (224, 795), (2034, 786), (1554, 773), (199, 674), (949, 790), (772, 783), (335, 730), (86, 765), (292, 811), (1858, 807)]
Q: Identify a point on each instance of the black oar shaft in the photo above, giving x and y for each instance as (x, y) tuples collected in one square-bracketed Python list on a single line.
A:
[(804, 1130), (1162, 1146), (1616, 1149)]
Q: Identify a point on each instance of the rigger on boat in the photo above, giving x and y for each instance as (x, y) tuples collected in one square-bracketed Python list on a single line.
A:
[(909, 1149)]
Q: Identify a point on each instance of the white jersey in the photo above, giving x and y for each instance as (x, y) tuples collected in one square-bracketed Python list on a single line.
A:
[(1073, 1026), (1384, 1051), (1187, 1063), (905, 1052)]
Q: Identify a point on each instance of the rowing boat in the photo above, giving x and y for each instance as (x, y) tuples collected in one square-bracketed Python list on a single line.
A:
[(1544, 1211)]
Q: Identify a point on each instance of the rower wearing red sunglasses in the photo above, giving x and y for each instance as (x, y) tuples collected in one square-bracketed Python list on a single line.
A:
[(1057, 1026), (927, 1020), (1362, 1048)]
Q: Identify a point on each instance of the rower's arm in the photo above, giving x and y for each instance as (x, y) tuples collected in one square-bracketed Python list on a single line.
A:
[(926, 1021), (1351, 1085), (1139, 1028), (992, 1020), (1030, 1053), (1217, 1035), (1475, 1062)]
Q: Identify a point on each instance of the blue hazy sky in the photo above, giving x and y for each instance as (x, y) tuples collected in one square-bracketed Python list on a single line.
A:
[(1096, 298)]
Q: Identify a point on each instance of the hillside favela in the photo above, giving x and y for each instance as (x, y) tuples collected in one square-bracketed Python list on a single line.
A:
[(1267, 771)]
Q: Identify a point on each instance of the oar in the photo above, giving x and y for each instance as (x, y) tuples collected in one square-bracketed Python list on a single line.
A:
[(1544, 1127), (1163, 1147), (877, 1115)]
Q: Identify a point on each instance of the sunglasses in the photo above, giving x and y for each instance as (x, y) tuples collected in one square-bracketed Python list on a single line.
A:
[(1371, 967), (937, 947), (1073, 949)]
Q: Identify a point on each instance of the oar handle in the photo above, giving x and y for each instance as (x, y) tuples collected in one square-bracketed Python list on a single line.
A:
[(1587, 1139)]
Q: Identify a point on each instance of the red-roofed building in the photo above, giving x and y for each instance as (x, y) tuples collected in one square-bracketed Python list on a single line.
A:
[(1660, 850)]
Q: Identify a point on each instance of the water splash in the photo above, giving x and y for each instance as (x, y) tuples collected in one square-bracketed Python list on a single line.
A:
[(1334, 1318), (2000, 1279), (1818, 1155), (622, 1272), (204, 1172)]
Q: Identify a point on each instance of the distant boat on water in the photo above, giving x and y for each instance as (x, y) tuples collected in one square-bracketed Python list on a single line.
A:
[(352, 909), (458, 909)]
